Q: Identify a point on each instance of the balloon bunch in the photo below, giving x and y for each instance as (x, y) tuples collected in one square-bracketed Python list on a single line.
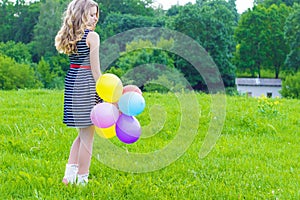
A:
[(116, 115)]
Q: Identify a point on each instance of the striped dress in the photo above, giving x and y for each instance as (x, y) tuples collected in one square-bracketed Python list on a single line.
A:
[(80, 93)]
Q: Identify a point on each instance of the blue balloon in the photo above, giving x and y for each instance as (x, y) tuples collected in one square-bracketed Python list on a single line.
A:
[(131, 103)]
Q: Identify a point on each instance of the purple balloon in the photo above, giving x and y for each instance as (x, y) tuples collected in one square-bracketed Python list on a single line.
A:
[(104, 115), (128, 129)]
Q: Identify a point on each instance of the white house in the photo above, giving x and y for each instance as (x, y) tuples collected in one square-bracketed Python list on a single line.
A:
[(256, 87)]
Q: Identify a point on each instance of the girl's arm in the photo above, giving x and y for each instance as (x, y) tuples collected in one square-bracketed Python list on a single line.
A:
[(93, 42)]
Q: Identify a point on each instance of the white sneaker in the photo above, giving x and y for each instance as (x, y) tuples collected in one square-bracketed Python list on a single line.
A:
[(70, 174), (82, 179)]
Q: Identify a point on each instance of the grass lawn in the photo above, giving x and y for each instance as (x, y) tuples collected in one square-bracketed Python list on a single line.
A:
[(256, 157)]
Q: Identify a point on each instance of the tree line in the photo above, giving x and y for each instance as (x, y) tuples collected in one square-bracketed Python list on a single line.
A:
[(262, 40)]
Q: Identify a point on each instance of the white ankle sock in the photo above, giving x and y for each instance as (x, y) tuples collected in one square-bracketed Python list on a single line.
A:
[(71, 173), (83, 179)]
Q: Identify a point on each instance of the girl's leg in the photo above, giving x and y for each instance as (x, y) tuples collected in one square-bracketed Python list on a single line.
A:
[(73, 157), (72, 166), (85, 152)]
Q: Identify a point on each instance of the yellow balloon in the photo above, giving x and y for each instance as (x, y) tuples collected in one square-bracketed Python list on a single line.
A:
[(109, 132), (109, 87)]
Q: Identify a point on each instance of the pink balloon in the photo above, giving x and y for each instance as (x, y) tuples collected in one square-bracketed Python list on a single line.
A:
[(131, 88), (128, 129), (104, 115)]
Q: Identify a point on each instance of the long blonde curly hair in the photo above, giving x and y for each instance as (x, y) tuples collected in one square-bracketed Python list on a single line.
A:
[(74, 23)]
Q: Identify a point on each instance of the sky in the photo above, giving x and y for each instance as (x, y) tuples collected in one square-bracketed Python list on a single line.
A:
[(241, 5)]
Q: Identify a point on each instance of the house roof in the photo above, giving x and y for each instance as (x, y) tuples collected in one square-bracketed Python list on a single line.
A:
[(258, 82)]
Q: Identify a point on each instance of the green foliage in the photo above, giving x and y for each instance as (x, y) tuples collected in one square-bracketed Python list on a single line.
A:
[(49, 22), (215, 21), (260, 34), (6, 20), (144, 61), (52, 77), (15, 75), (292, 35), (255, 157), (44, 73), (291, 86), (278, 2), (155, 87), (17, 20), (232, 91), (174, 10), (170, 81), (57, 83), (116, 23), (18, 51), (25, 20), (274, 44), (249, 35), (134, 7), (59, 64), (114, 70)]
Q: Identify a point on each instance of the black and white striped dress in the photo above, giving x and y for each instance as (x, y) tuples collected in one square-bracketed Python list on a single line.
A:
[(80, 93)]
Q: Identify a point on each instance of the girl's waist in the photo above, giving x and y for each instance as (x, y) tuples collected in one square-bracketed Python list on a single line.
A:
[(75, 66)]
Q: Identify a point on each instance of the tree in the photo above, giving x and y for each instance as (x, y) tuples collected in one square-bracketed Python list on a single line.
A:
[(25, 20), (274, 43), (7, 17), (260, 34), (268, 3), (292, 36), (212, 26), (117, 23), (232, 7), (250, 36), (190, 23), (50, 20), (219, 41), (17, 20), (133, 7), (174, 10)]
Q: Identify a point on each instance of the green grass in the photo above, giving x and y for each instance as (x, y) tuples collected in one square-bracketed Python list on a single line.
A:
[(256, 157)]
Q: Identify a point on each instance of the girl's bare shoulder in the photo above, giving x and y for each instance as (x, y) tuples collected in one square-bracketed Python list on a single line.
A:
[(92, 37)]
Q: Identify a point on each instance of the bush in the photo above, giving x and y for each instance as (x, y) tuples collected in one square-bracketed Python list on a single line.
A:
[(15, 75), (170, 80), (232, 91), (51, 73), (291, 86), (18, 51), (115, 70), (44, 73), (57, 83)]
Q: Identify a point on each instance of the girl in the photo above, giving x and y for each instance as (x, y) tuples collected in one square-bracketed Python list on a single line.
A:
[(77, 39)]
